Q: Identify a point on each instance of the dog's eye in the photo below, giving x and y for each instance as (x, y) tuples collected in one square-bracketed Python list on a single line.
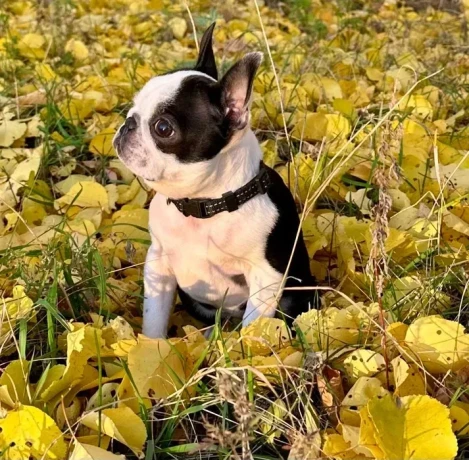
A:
[(163, 128)]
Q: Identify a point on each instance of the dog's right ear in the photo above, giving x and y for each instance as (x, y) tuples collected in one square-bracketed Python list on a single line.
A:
[(236, 87), (206, 60)]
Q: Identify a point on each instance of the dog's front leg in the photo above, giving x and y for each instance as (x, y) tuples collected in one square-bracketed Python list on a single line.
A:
[(159, 291), (264, 283)]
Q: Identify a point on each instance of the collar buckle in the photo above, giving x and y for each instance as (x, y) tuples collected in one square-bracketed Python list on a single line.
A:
[(194, 208), (231, 201)]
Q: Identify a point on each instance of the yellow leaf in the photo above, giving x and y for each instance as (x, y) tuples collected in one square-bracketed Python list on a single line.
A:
[(345, 107), (105, 396), (314, 239), (120, 424), (128, 398), (360, 199), (96, 440), (14, 387), (272, 419), (33, 213), (310, 127), (459, 420), (440, 344), (77, 48), (101, 144), (131, 223), (32, 46), (45, 72), (81, 346), (28, 432), (81, 226), (333, 328), (416, 144), (364, 389), (374, 74), (363, 363), (128, 192), (321, 89), (50, 376), (122, 347), (404, 219), (10, 131), (92, 215), (20, 306), (354, 229), (301, 175), (90, 452), (407, 378), (265, 334), (195, 341), (456, 223), (447, 154), (178, 27), (64, 186), (418, 105), (336, 447), (85, 195), (76, 110), (125, 173), (68, 415), (420, 427), (366, 435), (338, 127), (355, 437), (159, 367)]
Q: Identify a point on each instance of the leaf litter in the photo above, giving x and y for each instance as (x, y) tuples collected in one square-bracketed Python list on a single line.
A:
[(355, 77)]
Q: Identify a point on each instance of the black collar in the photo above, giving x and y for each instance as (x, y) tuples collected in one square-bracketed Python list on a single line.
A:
[(203, 208)]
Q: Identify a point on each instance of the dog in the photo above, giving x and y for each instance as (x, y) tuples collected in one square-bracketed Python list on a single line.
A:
[(223, 225)]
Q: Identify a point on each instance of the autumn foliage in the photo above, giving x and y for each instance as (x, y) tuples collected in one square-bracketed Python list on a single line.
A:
[(362, 108)]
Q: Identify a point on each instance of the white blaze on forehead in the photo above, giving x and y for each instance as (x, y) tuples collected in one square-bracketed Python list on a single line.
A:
[(160, 90)]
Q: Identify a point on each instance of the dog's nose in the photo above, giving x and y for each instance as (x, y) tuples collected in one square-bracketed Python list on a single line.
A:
[(131, 123)]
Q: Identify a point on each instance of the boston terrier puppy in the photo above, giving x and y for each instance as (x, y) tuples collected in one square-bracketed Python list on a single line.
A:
[(223, 225)]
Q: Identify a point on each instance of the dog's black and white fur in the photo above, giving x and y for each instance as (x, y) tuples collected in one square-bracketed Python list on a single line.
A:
[(188, 135)]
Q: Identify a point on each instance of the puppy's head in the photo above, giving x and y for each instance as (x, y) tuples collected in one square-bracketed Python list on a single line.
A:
[(186, 117)]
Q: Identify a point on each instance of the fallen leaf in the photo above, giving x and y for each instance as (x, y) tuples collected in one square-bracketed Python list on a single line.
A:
[(264, 334), (178, 27), (159, 367), (408, 378), (85, 195), (439, 344), (28, 432), (420, 427), (101, 144), (10, 131), (120, 424), (364, 363), (90, 452)]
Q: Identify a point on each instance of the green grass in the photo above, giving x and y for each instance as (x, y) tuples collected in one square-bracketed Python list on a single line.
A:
[(69, 278)]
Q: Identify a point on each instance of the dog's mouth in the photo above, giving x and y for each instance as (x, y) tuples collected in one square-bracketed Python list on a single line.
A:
[(122, 157)]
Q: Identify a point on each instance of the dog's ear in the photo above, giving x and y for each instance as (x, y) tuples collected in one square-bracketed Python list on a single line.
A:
[(206, 60), (236, 87)]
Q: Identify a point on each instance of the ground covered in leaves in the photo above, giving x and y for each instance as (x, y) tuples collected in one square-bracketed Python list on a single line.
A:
[(362, 106)]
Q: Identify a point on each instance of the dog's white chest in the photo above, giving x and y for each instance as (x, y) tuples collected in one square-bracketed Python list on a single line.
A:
[(212, 258)]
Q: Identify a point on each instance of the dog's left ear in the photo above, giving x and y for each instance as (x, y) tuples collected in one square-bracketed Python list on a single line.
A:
[(236, 87), (206, 60)]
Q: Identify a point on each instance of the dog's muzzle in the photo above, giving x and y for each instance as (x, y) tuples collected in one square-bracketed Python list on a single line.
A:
[(131, 123)]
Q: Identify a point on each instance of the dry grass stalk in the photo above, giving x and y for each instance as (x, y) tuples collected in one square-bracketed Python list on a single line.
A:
[(305, 446), (232, 389), (385, 173)]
